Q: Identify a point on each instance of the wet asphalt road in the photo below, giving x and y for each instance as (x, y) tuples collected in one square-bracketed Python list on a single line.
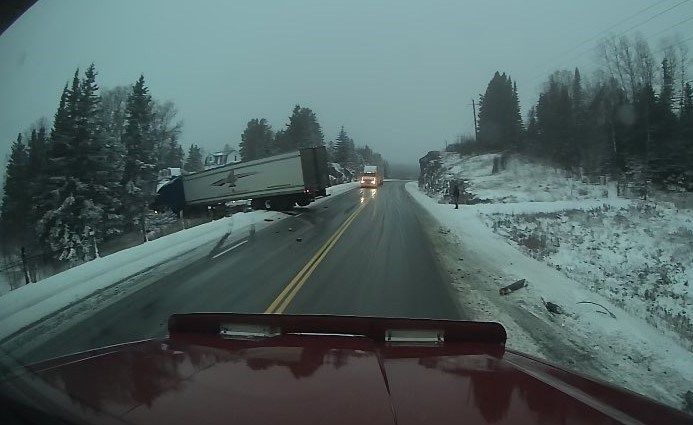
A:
[(365, 252)]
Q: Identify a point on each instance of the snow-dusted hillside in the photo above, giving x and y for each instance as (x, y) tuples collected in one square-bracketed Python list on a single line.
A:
[(574, 242), (521, 180)]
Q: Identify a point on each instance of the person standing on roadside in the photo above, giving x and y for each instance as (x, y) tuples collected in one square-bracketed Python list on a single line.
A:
[(455, 194)]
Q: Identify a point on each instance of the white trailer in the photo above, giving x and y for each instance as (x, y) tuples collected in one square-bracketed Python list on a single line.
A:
[(277, 182)]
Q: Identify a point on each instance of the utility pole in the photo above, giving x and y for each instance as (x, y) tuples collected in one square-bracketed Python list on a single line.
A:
[(476, 127)]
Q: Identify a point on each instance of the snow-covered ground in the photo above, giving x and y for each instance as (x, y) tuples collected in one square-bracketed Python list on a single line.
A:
[(581, 248), (30, 303), (522, 180)]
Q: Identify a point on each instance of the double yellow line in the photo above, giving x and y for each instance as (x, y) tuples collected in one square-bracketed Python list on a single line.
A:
[(282, 301)]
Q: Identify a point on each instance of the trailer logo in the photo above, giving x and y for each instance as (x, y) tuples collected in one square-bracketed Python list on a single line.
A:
[(231, 179)]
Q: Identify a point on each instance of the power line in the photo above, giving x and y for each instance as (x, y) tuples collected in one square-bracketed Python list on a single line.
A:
[(632, 28), (655, 16), (673, 26), (607, 30)]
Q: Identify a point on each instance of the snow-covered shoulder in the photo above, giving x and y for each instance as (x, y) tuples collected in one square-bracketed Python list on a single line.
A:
[(616, 267)]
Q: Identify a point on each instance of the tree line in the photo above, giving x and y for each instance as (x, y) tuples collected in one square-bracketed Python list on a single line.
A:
[(303, 130), (631, 120), (90, 177)]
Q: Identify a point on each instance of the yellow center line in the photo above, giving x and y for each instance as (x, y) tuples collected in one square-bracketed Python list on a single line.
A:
[(282, 301)]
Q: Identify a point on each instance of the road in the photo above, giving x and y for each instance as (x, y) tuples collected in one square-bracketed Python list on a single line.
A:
[(365, 252)]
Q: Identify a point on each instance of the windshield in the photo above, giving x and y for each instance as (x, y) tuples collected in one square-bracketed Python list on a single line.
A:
[(533, 166)]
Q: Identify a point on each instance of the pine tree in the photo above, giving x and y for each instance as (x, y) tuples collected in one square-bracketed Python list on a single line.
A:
[(105, 171), (16, 201), (345, 153), (57, 227), (686, 134), (578, 99), (174, 154), (302, 131), (38, 153), (256, 140), (554, 126), (331, 151), (500, 123), (193, 162), (82, 174), (140, 168)]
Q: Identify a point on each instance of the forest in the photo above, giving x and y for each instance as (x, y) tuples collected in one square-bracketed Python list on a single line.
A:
[(631, 120)]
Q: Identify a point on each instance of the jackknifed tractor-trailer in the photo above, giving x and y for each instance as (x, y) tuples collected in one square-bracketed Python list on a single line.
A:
[(275, 183)]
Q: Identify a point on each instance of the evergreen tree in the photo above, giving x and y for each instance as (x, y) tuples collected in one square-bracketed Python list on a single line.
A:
[(578, 100), (302, 131), (193, 162), (367, 155), (345, 152), (38, 146), (555, 125), (104, 172), (16, 200), (280, 143), (173, 154), (500, 123), (256, 140), (57, 227), (140, 168), (82, 204), (331, 151), (686, 134), (38, 153)]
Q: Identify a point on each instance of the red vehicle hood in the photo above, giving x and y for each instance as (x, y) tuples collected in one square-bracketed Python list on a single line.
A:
[(322, 370)]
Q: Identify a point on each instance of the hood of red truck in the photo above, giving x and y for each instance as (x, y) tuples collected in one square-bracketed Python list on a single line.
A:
[(350, 372)]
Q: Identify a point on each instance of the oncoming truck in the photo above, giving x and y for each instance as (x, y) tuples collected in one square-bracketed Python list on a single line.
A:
[(371, 177), (277, 183)]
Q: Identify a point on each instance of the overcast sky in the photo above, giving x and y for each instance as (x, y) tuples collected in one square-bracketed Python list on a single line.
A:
[(399, 75)]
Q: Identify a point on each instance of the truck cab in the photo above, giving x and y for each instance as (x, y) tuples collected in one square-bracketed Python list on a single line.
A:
[(371, 176)]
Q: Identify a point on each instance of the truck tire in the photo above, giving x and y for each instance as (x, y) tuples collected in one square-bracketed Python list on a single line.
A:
[(303, 201), (257, 204), (280, 203)]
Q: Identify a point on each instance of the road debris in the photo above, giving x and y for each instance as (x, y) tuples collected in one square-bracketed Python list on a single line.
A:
[(513, 287), (553, 308), (613, 316)]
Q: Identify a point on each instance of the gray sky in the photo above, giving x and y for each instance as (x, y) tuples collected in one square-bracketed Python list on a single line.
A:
[(399, 75)]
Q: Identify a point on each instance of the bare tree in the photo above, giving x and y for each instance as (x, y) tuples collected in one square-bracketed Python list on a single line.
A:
[(167, 129), (113, 113), (644, 66)]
